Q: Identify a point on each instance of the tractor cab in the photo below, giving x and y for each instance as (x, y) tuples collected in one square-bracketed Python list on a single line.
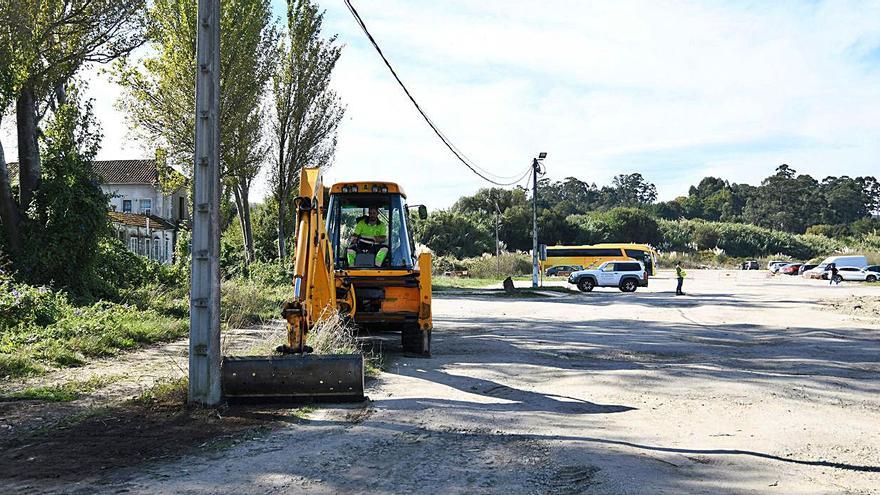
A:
[(369, 227)]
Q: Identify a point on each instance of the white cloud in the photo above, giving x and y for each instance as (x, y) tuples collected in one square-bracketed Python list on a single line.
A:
[(673, 89)]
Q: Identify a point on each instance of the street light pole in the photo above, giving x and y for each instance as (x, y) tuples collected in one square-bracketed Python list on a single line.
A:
[(536, 166), (497, 244)]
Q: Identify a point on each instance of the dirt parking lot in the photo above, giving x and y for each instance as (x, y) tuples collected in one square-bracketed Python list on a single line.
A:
[(746, 385)]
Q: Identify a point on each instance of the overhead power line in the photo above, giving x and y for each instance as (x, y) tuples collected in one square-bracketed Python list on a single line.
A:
[(479, 171)]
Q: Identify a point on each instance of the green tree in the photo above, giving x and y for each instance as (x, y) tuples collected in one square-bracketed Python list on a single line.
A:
[(68, 216), (305, 111), (160, 91), (621, 224), (631, 190), (786, 201), (42, 46), (488, 201), (845, 200), (457, 234)]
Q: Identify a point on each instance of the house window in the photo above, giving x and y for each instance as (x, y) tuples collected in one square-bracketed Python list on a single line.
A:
[(146, 206), (126, 206), (133, 244)]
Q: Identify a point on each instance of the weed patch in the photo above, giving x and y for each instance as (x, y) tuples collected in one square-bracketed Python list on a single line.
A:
[(65, 392)]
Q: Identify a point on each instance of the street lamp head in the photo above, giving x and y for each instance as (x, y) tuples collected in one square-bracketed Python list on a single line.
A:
[(542, 155)]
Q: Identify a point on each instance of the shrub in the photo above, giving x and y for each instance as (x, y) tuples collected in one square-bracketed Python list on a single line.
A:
[(445, 264), (676, 235), (76, 333), (271, 273), (507, 264), (834, 231), (22, 304), (245, 302), (742, 240)]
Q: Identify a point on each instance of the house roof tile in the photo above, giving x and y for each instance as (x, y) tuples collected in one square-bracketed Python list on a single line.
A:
[(127, 171), (136, 220), (114, 171)]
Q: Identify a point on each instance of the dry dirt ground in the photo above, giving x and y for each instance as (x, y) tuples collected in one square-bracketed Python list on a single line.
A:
[(748, 384)]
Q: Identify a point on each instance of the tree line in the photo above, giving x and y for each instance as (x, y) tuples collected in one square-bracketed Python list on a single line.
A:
[(573, 211)]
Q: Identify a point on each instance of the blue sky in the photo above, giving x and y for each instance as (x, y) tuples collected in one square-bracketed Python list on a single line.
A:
[(675, 90)]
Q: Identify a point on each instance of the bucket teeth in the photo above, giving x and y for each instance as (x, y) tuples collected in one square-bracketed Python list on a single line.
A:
[(338, 377)]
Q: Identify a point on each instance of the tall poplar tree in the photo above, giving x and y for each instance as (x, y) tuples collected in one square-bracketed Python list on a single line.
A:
[(159, 95), (305, 111)]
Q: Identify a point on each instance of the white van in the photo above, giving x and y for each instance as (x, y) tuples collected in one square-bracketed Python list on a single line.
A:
[(857, 261)]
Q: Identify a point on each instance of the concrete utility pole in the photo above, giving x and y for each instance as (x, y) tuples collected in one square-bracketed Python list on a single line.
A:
[(536, 169), (204, 306)]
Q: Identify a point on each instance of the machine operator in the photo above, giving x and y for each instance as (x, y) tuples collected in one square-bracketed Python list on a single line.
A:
[(369, 235)]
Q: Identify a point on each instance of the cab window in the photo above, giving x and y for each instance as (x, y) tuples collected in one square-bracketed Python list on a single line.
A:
[(347, 210)]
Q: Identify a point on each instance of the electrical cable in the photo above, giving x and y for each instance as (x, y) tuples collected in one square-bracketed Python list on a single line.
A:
[(455, 151)]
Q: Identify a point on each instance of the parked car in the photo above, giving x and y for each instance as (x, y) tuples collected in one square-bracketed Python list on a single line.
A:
[(562, 270), (821, 271), (873, 268), (774, 266), (872, 275), (750, 265), (805, 267), (625, 275), (791, 268), (772, 263), (854, 274)]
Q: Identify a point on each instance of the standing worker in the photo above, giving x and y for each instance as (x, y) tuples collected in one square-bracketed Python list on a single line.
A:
[(834, 272), (680, 274)]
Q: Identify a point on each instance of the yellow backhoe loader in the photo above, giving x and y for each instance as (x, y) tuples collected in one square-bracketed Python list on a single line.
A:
[(354, 254)]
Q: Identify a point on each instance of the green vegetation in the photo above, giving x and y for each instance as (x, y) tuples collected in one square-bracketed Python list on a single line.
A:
[(486, 266), (65, 392), (41, 328), (788, 214), (171, 391)]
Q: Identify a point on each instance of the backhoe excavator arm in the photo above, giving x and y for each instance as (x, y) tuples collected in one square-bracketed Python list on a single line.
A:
[(314, 290)]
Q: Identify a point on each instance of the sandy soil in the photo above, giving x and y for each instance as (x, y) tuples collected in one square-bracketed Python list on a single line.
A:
[(745, 385)]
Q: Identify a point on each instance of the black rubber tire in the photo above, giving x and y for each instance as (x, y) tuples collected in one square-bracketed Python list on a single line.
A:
[(838, 279), (585, 285), (871, 278), (628, 285), (416, 341)]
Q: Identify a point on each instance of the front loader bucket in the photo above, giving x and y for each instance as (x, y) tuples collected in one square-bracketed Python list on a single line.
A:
[(329, 378)]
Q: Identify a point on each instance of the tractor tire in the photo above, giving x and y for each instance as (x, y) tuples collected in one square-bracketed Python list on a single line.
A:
[(628, 285), (586, 285), (416, 341)]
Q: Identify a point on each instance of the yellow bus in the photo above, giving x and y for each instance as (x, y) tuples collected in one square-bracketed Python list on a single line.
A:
[(591, 256)]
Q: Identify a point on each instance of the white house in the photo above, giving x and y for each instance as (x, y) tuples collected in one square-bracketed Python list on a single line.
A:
[(146, 219)]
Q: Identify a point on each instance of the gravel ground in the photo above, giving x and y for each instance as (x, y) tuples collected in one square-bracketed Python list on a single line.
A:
[(745, 385)]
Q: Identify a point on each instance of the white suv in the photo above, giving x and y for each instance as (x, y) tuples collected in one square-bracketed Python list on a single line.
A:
[(625, 275)]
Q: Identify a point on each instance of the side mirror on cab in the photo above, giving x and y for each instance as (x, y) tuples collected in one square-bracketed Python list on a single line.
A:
[(423, 212)]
